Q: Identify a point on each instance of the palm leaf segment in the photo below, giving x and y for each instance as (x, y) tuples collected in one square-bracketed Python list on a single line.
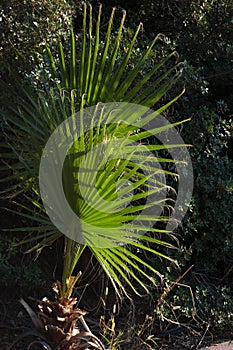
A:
[(97, 72)]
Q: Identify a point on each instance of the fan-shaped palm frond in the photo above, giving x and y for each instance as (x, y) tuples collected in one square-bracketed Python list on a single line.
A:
[(106, 196)]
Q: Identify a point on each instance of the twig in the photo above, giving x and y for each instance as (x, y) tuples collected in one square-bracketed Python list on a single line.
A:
[(91, 334), (207, 328), (173, 284)]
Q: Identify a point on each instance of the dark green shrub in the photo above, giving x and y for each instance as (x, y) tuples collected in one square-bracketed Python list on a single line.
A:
[(208, 226), (26, 25), (206, 304), (17, 275)]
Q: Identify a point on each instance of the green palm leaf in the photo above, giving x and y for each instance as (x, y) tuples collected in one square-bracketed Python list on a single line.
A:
[(95, 71)]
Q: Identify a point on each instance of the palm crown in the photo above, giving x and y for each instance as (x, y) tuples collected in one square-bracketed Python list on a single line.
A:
[(94, 80)]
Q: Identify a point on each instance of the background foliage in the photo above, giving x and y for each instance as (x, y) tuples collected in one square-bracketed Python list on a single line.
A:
[(27, 25)]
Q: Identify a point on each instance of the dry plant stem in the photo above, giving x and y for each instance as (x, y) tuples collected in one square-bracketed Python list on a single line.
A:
[(202, 338), (173, 284), (35, 319), (91, 334), (194, 313)]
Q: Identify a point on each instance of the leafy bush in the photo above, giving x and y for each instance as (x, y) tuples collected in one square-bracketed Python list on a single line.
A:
[(206, 304), (208, 226), (26, 25)]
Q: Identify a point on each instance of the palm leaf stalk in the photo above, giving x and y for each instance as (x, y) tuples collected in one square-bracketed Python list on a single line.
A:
[(94, 73)]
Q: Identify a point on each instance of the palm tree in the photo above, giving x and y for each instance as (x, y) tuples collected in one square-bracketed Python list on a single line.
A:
[(94, 77)]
